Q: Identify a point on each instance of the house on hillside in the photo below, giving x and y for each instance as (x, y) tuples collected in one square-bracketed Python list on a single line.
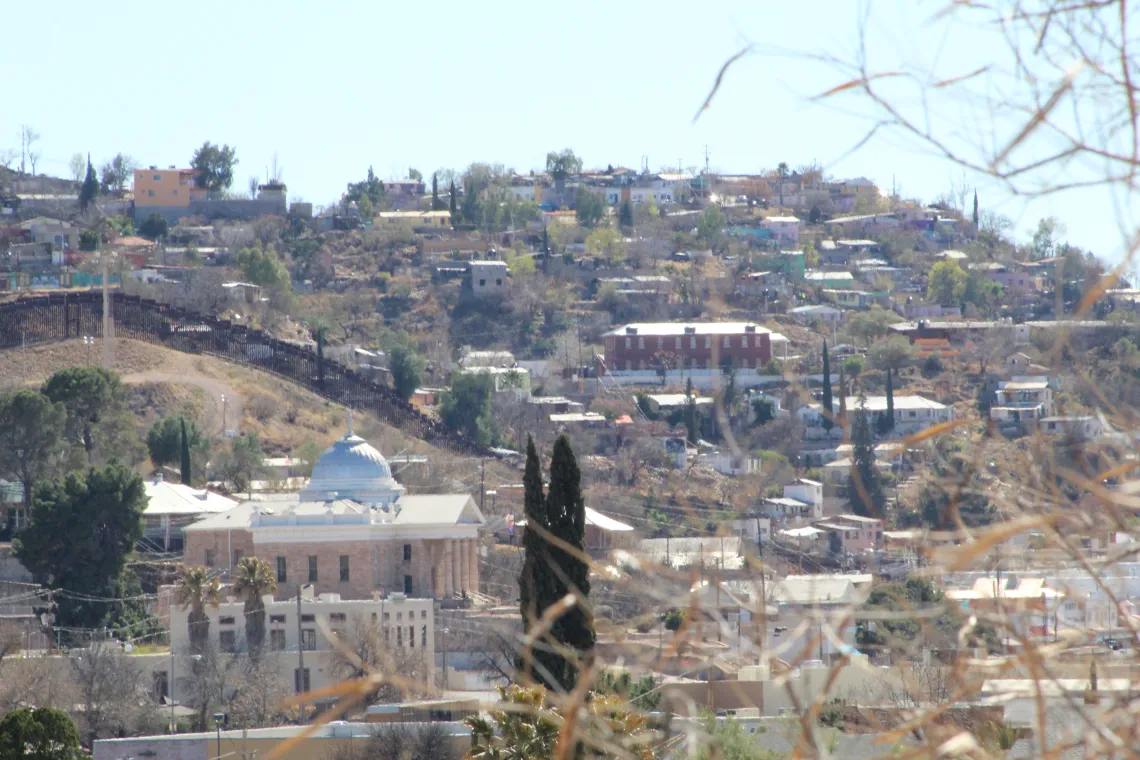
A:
[(173, 506), (1022, 401), (837, 280), (828, 315), (784, 230), (488, 278), (913, 414)]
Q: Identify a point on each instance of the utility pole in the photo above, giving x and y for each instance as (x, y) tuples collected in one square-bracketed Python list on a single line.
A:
[(300, 654), (444, 632), (482, 485)]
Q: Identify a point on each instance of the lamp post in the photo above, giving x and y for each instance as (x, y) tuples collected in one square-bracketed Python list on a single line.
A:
[(223, 415), (218, 718)]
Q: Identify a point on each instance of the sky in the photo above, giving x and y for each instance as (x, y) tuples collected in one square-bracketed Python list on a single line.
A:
[(335, 87)]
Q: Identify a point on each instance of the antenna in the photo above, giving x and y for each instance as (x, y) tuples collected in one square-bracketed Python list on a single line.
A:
[(706, 159)]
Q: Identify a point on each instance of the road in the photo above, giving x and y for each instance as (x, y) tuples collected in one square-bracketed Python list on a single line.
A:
[(214, 389)]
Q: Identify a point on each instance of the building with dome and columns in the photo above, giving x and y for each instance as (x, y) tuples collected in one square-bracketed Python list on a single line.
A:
[(351, 531)]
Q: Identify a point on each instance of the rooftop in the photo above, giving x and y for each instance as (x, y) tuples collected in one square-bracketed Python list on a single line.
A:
[(166, 498), (663, 329)]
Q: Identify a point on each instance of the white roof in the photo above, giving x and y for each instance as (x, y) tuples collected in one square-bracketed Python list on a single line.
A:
[(812, 590), (990, 588), (815, 309), (816, 275), (165, 498), (598, 520), (879, 404), (414, 214), (578, 417), (663, 329), (421, 509), (676, 399), (785, 219), (805, 532)]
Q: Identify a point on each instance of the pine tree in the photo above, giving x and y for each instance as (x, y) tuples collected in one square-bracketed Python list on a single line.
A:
[(828, 409), (451, 202), (975, 210), (545, 241), (186, 471), (90, 188), (691, 430), (864, 488)]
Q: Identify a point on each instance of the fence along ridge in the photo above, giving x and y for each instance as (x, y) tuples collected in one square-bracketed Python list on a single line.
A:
[(55, 317)]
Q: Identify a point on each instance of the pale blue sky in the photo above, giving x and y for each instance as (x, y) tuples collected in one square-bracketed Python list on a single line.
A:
[(337, 86)]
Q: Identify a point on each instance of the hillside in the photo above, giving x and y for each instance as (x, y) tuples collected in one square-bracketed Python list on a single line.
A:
[(285, 416)]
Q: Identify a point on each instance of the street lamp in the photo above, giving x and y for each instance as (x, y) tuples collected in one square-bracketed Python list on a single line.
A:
[(223, 415), (88, 341), (218, 718)]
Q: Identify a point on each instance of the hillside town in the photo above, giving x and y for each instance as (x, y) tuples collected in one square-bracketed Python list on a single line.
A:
[(571, 460)]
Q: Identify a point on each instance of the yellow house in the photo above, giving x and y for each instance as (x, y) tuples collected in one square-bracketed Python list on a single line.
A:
[(166, 187), (441, 219)]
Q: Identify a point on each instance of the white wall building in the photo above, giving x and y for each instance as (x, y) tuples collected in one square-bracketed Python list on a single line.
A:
[(913, 414)]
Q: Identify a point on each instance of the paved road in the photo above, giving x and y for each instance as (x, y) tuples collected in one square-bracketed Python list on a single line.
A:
[(215, 390)]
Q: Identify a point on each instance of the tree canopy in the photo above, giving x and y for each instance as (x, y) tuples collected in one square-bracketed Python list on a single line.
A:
[(371, 187), (164, 441), (407, 369), (98, 422), (562, 164), (589, 207), (89, 190), (467, 405), (864, 485), (41, 733), (710, 226), (946, 283), (262, 266), (31, 438), (215, 165), (82, 528), (154, 226), (115, 173)]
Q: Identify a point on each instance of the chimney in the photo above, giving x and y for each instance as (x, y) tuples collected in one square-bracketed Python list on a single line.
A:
[(690, 330), (629, 330), (750, 328)]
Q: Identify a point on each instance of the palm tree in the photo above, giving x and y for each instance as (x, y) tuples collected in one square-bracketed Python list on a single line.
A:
[(783, 171), (254, 580), (197, 589)]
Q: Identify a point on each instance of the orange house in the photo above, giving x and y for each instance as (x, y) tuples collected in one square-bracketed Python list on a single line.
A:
[(166, 187)]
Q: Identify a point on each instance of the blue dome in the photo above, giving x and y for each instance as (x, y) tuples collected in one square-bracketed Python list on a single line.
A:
[(352, 469)]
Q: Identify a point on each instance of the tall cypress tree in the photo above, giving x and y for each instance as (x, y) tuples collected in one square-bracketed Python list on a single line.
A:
[(864, 488), (186, 472), (566, 510), (554, 521), (887, 421), (451, 204), (435, 204), (89, 190), (842, 395), (828, 408), (975, 210)]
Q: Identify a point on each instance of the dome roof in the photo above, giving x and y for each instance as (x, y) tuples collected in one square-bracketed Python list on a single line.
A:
[(352, 469)]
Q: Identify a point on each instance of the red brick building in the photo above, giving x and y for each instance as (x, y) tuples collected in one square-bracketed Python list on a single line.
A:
[(681, 345)]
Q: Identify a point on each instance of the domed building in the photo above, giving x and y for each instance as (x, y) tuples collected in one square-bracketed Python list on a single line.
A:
[(352, 530), (352, 469)]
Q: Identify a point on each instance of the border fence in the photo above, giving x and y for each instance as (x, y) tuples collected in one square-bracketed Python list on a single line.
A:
[(62, 316)]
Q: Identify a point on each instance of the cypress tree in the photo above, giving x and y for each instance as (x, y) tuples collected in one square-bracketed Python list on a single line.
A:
[(625, 214), (566, 510), (828, 408), (842, 396), (975, 210), (889, 425), (864, 489), (435, 205), (535, 580), (451, 201), (186, 472), (690, 412), (90, 188), (545, 241)]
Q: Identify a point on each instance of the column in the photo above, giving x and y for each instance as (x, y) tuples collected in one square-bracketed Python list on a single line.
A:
[(448, 588), (456, 575), (473, 585), (465, 564)]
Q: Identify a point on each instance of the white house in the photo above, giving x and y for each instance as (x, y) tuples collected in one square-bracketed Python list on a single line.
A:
[(824, 313), (913, 414), (1022, 400), (488, 278)]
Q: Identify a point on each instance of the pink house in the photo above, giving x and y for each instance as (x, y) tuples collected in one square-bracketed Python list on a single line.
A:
[(1013, 281), (855, 533), (784, 229)]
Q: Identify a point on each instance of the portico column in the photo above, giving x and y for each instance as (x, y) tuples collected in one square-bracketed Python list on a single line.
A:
[(465, 564), (448, 589), (473, 584), (456, 575)]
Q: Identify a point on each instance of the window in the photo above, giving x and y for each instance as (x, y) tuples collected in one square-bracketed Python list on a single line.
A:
[(301, 680), (158, 178), (423, 635), (238, 554), (309, 639), (226, 641), (641, 342), (744, 341), (344, 568), (209, 558), (150, 193), (498, 282), (226, 620), (629, 342), (337, 617), (277, 641), (282, 575), (660, 343), (482, 283), (309, 618), (277, 619), (399, 635), (387, 616), (412, 636), (312, 569), (423, 614), (692, 342), (727, 341), (408, 585), (407, 552), (399, 616), (678, 343), (708, 342)]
